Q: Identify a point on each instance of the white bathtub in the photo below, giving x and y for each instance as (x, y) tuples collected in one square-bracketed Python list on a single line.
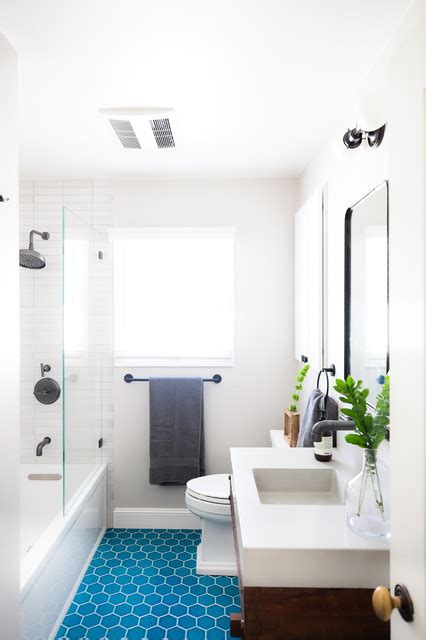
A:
[(55, 548)]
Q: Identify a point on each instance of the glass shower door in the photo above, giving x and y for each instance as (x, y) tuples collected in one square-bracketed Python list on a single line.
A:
[(82, 422)]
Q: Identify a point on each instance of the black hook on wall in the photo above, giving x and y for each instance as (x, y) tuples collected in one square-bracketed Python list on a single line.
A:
[(327, 370), (323, 411)]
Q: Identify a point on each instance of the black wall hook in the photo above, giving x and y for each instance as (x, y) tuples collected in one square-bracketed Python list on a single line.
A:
[(331, 369), (327, 370), (323, 410)]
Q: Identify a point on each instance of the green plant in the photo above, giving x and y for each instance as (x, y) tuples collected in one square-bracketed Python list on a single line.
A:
[(299, 386), (370, 430)]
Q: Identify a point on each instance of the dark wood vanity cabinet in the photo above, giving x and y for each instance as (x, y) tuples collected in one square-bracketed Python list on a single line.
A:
[(283, 613)]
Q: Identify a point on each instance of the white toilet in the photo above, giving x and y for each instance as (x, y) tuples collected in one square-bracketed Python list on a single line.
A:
[(208, 498)]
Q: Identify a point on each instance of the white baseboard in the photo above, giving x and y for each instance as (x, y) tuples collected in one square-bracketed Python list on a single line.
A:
[(150, 518), (215, 568)]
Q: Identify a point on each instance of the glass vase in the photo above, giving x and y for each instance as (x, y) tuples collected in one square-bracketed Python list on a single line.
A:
[(367, 499)]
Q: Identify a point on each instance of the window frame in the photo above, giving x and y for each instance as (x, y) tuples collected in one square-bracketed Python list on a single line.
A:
[(122, 358)]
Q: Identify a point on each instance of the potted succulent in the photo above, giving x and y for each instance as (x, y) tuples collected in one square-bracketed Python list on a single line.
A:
[(291, 415), (367, 507)]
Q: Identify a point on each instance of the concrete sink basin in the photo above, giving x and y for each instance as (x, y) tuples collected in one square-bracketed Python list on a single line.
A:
[(299, 486)]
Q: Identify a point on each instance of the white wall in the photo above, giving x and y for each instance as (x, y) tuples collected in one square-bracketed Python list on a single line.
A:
[(250, 399), (347, 175), (9, 347), (397, 84)]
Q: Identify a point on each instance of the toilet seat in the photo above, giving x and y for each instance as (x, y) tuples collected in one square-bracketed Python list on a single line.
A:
[(207, 509), (202, 498), (213, 489)]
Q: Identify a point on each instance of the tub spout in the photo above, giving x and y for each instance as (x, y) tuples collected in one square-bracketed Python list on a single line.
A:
[(43, 443)]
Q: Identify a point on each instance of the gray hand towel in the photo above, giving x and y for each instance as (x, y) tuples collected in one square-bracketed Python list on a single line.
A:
[(312, 416), (176, 430)]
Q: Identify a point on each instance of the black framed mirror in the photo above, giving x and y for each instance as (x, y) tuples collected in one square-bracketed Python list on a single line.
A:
[(367, 289)]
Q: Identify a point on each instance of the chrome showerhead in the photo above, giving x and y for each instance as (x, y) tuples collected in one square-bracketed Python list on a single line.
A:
[(31, 259)]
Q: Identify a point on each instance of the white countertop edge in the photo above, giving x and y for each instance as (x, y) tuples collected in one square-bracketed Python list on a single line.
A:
[(316, 569)]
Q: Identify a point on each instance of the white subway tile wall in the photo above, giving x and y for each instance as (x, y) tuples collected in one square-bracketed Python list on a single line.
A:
[(89, 415)]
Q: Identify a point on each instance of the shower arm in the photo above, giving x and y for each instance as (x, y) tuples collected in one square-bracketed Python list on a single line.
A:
[(44, 235)]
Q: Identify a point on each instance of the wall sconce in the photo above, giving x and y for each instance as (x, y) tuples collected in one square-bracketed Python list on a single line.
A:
[(353, 138)]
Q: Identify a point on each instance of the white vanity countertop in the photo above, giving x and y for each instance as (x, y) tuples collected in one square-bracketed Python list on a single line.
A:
[(277, 439), (295, 544)]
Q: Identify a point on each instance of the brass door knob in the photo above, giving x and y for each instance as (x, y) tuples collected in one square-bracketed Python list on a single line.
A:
[(384, 603)]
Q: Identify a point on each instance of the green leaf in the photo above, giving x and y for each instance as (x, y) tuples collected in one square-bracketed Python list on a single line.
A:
[(349, 412), (381, 421), (358, 440), (340, 386), (378, 440), (370, 423), (299, 384)]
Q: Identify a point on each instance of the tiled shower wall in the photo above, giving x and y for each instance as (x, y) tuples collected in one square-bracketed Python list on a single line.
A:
[(41, 205)]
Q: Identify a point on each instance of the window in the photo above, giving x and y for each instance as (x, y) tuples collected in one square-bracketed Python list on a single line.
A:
[(173, 296)]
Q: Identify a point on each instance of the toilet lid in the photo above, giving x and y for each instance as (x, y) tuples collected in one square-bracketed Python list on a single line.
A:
[(210, 488)]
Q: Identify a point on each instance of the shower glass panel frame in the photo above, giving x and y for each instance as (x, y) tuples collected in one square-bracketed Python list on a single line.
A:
[(82, 246)]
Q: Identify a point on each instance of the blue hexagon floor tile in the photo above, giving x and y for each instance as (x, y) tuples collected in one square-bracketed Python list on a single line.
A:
[(142, 584)]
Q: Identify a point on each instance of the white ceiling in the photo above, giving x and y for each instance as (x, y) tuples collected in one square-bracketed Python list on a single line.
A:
[(256, 84)]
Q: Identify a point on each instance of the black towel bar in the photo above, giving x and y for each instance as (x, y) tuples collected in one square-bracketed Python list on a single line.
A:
[(129, 378)]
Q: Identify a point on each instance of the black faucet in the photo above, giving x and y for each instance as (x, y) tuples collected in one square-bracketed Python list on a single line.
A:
[(43, 443), (330, 425)]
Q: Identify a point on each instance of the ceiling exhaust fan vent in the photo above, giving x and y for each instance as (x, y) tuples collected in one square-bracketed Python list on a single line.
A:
[(163, 133), (125, 133)]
